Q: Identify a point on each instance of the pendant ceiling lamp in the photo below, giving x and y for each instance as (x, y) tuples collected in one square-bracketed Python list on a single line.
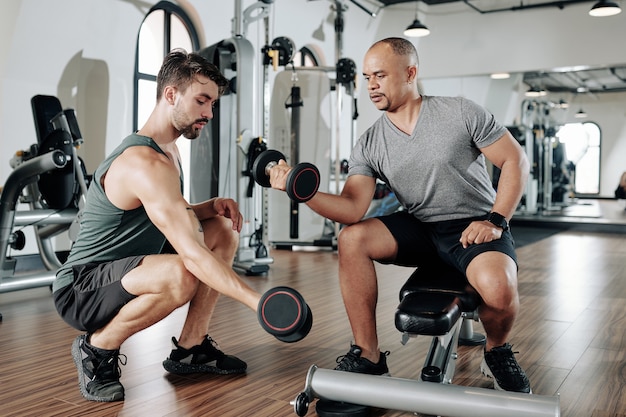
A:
[(416, 29), (535, 92), (605, 8)]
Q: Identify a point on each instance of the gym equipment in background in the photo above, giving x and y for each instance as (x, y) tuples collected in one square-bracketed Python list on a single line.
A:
[(52, 180), (219, 155)]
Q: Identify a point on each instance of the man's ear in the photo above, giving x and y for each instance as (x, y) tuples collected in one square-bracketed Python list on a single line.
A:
[(412, 73), (169, 94)]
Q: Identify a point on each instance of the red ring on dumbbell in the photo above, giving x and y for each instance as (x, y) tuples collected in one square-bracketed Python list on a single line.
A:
[(304, 182), (283, 313), (268, 323)]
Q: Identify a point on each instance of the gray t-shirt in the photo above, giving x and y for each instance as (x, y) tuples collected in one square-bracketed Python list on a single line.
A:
[(438, 172)]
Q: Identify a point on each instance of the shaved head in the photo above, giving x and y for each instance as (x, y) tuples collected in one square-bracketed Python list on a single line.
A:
[(401, 47)]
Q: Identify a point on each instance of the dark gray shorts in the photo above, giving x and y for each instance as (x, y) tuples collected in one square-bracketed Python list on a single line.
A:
[(96, 295), (420, 242)]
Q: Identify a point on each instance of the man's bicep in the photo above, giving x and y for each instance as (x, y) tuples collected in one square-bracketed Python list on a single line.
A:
[(360, 189), (177, 221), (505, 148), (164, 204)]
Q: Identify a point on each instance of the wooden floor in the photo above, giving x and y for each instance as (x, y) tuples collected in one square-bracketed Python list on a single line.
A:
[(570, 334)]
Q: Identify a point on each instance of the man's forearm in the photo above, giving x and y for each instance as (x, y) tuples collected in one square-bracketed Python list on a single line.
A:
[(511, 185)]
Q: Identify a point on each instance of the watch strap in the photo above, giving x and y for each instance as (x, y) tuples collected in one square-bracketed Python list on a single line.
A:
[(498, 220)]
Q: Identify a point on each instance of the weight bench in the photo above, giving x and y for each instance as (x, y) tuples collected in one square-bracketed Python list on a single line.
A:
[(438, 301), (435, 301), (51, 179)]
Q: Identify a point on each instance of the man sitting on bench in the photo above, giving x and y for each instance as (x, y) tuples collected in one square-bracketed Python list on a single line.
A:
[(431, 152)]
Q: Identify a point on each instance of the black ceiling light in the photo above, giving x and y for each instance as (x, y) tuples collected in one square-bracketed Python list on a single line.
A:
[(416, 29), (605, 8)]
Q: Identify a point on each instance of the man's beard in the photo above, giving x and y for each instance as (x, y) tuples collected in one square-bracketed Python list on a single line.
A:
[(190, 132), (187, 129)]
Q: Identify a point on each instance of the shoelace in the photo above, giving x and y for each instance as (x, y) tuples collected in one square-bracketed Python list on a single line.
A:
[(120, 359), (215, 346), (350, 357), (500, 357)]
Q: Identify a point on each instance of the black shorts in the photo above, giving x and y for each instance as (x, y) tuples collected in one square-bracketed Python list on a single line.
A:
[(96, 295), (419, 242)]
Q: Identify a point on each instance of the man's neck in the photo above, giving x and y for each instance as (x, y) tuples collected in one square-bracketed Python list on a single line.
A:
[(405, 117)]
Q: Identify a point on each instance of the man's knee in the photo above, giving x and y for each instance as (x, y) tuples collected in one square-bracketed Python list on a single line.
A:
[(498, 292), (352, 236), (369, 238), (494, 276), (183, 284), (219, 233)]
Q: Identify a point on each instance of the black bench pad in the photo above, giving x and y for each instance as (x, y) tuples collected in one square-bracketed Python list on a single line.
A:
[(432, 300)]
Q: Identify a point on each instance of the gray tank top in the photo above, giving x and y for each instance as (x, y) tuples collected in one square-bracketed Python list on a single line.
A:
[(106, 232)]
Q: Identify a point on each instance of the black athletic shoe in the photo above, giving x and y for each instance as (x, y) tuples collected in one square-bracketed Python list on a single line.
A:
[(98, 371), (353, 362), (203, 358), (500, 364)]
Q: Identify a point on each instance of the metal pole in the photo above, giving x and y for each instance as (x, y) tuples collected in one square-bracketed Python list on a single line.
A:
[(25, 282), (295, 104), (426, 397), (237, 19)]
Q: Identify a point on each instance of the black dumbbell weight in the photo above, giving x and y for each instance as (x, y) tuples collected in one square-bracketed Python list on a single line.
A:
[(303, 180), (284, 314)]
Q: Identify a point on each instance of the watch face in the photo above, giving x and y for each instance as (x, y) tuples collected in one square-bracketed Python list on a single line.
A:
[(498, 220)]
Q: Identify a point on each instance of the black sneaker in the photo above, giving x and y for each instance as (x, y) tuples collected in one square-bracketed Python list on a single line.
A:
[(353, 362), (500, 364), (98, 371), (203, 358)]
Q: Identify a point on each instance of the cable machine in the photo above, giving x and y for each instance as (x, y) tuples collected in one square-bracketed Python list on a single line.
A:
[(550, 180), (219, 155), (320, 92)]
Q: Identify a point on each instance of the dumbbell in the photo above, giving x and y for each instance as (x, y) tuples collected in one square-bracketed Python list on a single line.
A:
[(284, 314), (302, 181)]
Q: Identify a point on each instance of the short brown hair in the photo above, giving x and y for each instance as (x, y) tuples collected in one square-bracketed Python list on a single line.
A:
[(181, 68)]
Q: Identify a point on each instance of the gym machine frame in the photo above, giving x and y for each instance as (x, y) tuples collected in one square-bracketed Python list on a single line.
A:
[(235, 59), (539, 130), (21, 187), (343, 83)]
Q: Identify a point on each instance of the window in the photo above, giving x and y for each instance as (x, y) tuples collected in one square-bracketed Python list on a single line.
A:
[(165, 27), (582, 149)]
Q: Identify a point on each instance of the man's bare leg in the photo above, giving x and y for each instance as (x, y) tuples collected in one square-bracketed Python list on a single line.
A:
[(358, 281), (494, 276), (223, 241)]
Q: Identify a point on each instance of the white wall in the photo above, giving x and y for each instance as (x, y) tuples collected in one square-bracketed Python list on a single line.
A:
[(83, 52)]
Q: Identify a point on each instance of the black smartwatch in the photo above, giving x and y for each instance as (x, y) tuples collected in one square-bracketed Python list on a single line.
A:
[(498, 220)]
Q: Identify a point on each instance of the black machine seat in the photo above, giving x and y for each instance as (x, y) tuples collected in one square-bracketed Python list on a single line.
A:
[(433, 299), (59, 188)]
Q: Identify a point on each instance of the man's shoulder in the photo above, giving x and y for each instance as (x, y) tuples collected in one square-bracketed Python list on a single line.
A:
[(142, 158), (450, 100), (140, 146), (134, 140)]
